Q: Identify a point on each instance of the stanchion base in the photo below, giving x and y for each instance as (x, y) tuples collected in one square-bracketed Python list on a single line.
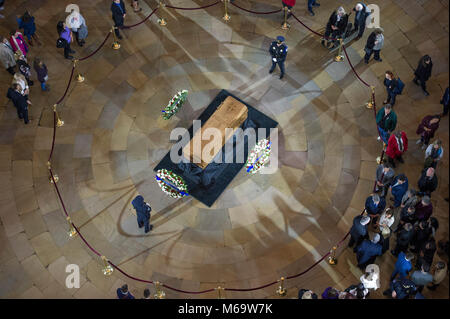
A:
[(55, 177), (226, 17), (332, 261), (339, 58), (80, 78), (116, 45), (108, 270), (60, 123), (281, 292), (72, 233), (285, 26), (369, 105), (162, 22), (160, 295)]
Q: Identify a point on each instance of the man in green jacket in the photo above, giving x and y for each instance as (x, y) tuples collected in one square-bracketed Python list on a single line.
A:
[(386, 122)]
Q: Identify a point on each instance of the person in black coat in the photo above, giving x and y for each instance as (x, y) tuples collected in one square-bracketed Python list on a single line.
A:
[(426, 253), (142, 213), (423, 72), (401, 289), (337, 23), (404, 237), (374, 43), (361, 14), (428, 181), (374, 206), (391, 84), (278, 51), (358, 232), (422, 232), (407, 215), (118, 15), (19, 101)]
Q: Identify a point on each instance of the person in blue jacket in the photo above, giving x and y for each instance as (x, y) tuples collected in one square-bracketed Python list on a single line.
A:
[(278, 50), (368, 250), (374, 206), (124, 293), (142, 213), (358, 232), (403, 265), (398, 188), (26, 22), (401, 289)]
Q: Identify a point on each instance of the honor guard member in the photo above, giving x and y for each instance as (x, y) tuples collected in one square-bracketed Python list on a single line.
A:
[(278, 51)]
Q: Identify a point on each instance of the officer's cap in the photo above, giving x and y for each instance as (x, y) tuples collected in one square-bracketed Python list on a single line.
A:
[(280, 38)]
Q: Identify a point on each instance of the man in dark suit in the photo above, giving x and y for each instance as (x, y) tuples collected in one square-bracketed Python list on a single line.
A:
[(368, 250), (142, 213), (374, 206), (404, 237), (19, 101), (358, 232), (118, 15)]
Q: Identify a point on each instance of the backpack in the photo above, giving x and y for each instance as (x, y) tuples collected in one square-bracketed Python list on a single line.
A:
[(400, 86), (60, 43)]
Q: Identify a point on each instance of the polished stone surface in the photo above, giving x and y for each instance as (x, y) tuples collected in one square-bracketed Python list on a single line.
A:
[(263, 226)]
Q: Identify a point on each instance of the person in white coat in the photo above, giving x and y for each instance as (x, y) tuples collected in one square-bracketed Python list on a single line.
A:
[(371, 278), (77, 24)]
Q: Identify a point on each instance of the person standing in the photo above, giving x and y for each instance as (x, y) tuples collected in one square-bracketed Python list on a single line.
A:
[(386, 121), (278, 50), (66, 38), (401, 289), (384, 177), (26, 22), (423, 72), (398, 189), (403, 265), (368, 250), (426, 253), (374, 206), (337, 23), (433, 154), (124, 293), (422, 277), (407, 215), (311, 4), (397, 146), (361, 14), (19, 101), (387, 219), (393, 87), (371, 277), (7, 55), (18, 43), (374, 44), (428, 181), (445, 101), (118, 15), (427, 128), (422, 232), (424, 209), (142, 213), (410, 199), (358, 232), (440, 272), (77, 24), (404, 237), (42, 73)]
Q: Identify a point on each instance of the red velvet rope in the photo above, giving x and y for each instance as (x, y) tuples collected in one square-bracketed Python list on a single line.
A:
[(149, 281), (315, 32), (148, 17), (204, 7), (255, 12), (353, 69)]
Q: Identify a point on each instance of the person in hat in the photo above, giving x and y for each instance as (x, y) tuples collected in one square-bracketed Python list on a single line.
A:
[(361, 14), (142, 213), (404, 237), (330, 293), (358, 232), (368, 250), (374, 44), (278, 50)]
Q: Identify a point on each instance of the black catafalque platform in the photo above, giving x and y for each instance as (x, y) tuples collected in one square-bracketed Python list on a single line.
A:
[(207, 184)]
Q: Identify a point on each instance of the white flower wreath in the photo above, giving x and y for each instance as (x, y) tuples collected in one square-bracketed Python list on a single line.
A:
[(171, 184), (259, 156)]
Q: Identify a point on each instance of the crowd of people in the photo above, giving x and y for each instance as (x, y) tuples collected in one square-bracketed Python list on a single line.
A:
[(409, 208)]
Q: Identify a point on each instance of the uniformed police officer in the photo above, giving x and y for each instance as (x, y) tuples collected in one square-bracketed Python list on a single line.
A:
[(142, 213), (278, 51)]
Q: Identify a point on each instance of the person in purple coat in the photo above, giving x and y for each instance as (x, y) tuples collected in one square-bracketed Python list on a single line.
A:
[(42, 73)]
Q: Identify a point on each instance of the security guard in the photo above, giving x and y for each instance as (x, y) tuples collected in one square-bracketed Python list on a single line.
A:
[(278, 51)]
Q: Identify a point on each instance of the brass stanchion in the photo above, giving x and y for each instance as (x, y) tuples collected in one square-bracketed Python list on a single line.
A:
[(72, 232), (339, 57), (285, 25), (161, 21), (59, 122), (107, 268), (226, 17), (281, 291), (332, 260), (78, 77), (220, 291), (371, 102), (55, 177), (159, 294), (116, 44)]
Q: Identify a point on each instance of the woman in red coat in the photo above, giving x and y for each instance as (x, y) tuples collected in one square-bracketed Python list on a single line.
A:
[(426, 129), (289, 4), (397, 145)]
